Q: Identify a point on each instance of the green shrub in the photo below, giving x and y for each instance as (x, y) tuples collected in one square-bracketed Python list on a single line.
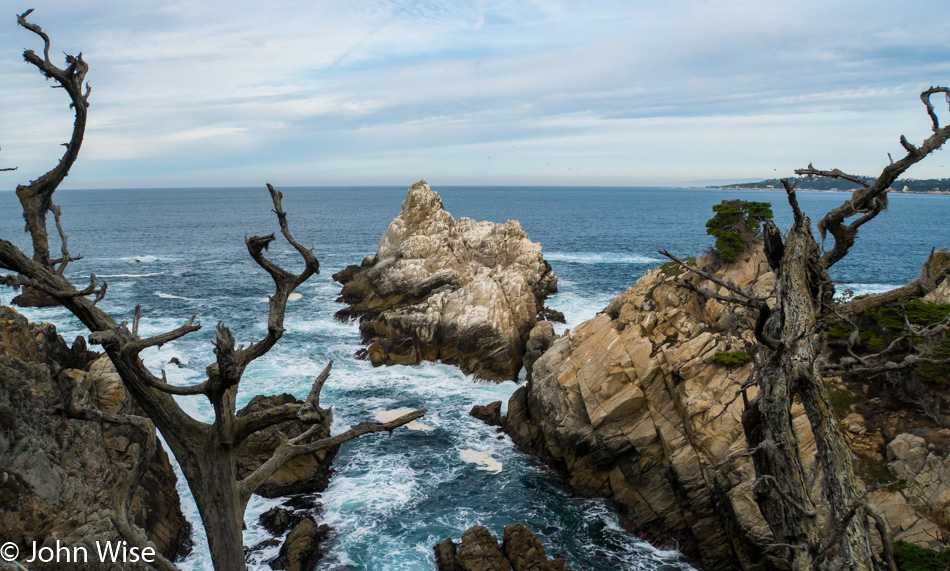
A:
[(932, 372), (735, 224), (841, 399), (732, 358), (918, 311), (672, 269), (910, 557)]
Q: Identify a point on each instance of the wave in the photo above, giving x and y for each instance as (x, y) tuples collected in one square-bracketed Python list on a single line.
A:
[(146, 259), (129, 275), (598, 258), (864, 289), (164, 295)]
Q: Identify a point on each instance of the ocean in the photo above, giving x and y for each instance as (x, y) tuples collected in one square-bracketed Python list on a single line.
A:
[(180, 252)]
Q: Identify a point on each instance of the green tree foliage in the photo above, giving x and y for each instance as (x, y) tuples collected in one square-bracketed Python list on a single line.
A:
[(912, 557), (735, 224)]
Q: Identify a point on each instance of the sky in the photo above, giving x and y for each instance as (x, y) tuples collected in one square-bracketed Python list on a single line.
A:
[(627, 93)]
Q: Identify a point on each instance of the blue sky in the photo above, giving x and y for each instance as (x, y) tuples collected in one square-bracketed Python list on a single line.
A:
[(236, 93)]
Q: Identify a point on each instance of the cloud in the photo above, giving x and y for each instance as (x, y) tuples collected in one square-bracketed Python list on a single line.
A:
[(224, 93)]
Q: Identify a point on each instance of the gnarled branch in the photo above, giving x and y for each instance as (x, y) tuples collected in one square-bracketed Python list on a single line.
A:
[(298, 446), (285, 282), (36, 197), (872, 199), (308, 412)]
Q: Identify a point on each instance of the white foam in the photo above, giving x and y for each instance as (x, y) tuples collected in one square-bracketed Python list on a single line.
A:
[(863, 289), (483, 460), (129, 275), (146, 259), (598, 258), (164, 295)]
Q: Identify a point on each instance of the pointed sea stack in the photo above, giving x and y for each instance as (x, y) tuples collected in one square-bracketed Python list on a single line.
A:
[(459, 291)]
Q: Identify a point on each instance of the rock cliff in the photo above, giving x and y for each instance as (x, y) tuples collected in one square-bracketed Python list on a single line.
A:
[(60, 478), (639, 405), (459, 291)]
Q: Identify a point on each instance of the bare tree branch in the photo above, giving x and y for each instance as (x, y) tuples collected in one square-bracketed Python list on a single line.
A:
[(309, 411), (138, 344), (295, 447), (64, 261), (285, 282), (744, 298), (36, 198), (834, 173), (872, 200)]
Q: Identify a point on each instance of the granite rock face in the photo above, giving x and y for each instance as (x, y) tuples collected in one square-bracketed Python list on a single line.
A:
[(634, 405), (459, 291), (479, 551), (59, 478)]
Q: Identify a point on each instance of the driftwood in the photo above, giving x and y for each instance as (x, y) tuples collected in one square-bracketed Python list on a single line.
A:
[(206, 452)]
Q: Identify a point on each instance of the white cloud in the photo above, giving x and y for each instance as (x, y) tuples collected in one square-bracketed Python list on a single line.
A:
[(220, 93)]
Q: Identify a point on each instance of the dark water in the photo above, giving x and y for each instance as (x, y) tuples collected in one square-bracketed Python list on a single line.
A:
[(181, 252)]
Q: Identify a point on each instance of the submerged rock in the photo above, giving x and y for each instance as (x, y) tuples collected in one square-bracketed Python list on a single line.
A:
[(60, 479), (459, 291), (479, 551)]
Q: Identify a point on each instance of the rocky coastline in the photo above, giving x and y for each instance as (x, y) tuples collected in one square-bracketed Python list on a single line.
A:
[(457, 291), (62, 479), (642, 405), (65, 479)]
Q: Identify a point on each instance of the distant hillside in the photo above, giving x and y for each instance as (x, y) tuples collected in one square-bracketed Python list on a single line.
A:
[(928, 185)]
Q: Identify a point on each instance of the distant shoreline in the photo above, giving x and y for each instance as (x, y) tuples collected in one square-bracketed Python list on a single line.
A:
[(890, 191)]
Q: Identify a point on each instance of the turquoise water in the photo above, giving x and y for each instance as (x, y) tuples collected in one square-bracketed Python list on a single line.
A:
[(181, 252)]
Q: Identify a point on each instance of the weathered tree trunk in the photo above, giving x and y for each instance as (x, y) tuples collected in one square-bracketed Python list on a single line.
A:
[(220, 505), (802, 286)]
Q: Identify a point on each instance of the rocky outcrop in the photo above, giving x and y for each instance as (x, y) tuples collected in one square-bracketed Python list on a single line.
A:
[(299, 478), (60, 479), (302, 549), (490, 413), (642, 404), (459, 291), (305, 474), (479, 551)]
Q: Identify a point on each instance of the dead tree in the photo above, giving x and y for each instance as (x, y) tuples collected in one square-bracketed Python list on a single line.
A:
[(36, 198), (788, 335), (206, 452)]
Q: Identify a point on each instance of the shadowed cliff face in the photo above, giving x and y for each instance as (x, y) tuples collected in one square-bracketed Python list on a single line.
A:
[(61, 477), (635, 405), (459, 291)]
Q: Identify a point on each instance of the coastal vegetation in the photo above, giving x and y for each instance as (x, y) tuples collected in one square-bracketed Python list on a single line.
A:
[(735, 226)]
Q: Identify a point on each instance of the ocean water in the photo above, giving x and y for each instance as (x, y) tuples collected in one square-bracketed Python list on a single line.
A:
[(181, 252)]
